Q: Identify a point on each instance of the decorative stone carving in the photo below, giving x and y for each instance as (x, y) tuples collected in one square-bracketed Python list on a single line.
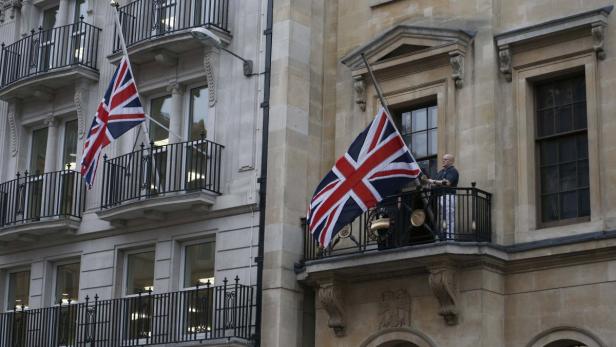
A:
[(12, 109), (359, 85), (443, 283), (598, 39), (457, 66), (395, 309), (51, 121), (330, 296), (80, 114), (209, 75), (175, 88), (504, 62), (9, 6)]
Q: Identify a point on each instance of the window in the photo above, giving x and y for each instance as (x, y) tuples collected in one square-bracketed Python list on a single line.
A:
[(81, 8), (49, 17), (160, 111), (18, 289), (419, 129), (37, 153), (562, 147), (199, 264), (139, 272), (198, 113), (67, 283), (69, 151)]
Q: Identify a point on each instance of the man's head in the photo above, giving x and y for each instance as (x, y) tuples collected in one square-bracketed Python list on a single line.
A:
[(448, 160)]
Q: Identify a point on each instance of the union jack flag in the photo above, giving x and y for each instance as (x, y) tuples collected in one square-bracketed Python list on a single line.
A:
[(119, 111), (377, 164)]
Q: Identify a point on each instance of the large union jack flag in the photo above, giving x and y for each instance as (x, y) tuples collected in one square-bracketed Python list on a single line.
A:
[(377, 164), (119, 111)]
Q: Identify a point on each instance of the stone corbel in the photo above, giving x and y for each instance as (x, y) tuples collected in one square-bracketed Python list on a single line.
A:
[(443, 283), (456, 59), (504, 62), (12, 117), (11, 6), (598, 39), (359, 85), (330, 296), (208, 65), (80, 98)]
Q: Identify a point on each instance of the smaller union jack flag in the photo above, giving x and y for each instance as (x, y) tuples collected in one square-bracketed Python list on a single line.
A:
[(119, 111), (377, 164)]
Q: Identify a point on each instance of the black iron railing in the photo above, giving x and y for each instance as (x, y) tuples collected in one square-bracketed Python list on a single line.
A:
[(150, 172), (146, 19), (29, 198), (207, 312), (416, 217), (47, 50)]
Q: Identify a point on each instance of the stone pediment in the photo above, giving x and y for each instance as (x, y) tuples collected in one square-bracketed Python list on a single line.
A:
[(405, 43)]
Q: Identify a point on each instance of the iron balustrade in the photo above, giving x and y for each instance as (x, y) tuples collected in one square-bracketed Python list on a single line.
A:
[(202, 313), (410, 218), (143, 20), (47, 50), (30, 198), (149, 172)]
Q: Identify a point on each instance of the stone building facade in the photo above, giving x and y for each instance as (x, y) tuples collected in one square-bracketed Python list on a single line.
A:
[(161, 249), (520, 92)]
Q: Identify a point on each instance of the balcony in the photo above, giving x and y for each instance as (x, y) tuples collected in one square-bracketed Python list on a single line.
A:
[(32, 205), (161, 28), (49, 59), (221, 315), (153, 181)]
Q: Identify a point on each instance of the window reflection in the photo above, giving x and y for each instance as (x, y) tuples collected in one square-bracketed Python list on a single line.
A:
[(160, 111), (69, 152), (67, 283), (140, 272), (18, 290), (37, 153), (198, 112), (199, 264)]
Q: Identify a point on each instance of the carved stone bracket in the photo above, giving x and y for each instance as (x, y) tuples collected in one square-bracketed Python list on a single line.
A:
[(359, 85), (504, 62), (443, 283), (9, 6), (330, 296), (598, 39), (12, 114), (208, 65), (456, 59)]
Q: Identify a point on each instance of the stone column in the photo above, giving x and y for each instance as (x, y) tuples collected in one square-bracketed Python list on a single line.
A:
[(51, 151), (175, 122)]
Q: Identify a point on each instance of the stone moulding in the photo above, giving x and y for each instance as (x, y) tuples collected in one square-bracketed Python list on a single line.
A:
[(404, 44), (330, 296), (594, 21), (442, 280), (11, 6), (14, 141), (359, 85), (208, 65)]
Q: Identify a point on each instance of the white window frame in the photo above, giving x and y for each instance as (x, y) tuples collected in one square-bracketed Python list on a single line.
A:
[(61, 139), (125, 269), (209, 120), (183, 261), (54, 281)]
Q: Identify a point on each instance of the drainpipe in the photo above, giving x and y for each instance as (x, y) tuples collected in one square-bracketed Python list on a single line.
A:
[(263, 179)]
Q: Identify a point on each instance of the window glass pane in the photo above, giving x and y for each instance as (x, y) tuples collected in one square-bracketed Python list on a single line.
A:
[(67, 283), (567, 150), (579, 89), (579, 116), (69, 152), (567, 176), (569, 205), (406, 122), (584, 201), (564, 119), (562, 93), (419, 120), (198, 112), (19, 289), (582, 146), (545, 96), (549, 208), (433, 117), (199, 264), (140, 272), (545, 124), (549, 152), (49, 17), (419, 144), (549, 179), (37, 154), (424, 165), (433, 145), (160, 111)]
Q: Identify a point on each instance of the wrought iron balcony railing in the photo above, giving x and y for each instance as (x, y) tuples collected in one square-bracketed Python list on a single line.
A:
[(47, 50), (30, 198), (416, 217), (153, 171), (146, 19), (205, 313)]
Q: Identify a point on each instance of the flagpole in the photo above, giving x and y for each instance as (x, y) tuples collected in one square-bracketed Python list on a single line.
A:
[(125, 51), (379, 92)]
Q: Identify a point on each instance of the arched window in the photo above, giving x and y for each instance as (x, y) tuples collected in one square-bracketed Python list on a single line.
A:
[(566, 343)]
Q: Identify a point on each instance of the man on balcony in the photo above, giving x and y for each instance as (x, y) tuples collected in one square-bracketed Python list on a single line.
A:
[(447, 177)]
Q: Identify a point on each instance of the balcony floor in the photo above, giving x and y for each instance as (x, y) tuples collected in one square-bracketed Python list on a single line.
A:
[(33, 229), (40, 85)]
